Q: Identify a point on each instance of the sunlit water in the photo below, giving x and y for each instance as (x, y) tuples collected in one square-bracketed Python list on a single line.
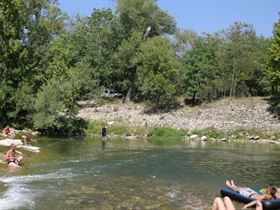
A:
[(79, 174)]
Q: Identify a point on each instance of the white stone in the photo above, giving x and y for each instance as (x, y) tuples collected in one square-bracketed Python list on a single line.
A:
[(193, 137), (36, 133), (203, 138)]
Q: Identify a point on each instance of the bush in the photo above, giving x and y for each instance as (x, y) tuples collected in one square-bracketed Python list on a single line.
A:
[(66, 126), (56, 109), (245, 133), (165, 136), (210, 132)]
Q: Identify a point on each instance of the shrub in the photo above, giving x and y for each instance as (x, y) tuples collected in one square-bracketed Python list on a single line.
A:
[(210, 132), (165, 136)]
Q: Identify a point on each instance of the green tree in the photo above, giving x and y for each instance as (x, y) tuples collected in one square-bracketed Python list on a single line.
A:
[(257, 82), (184, 41), (273, 69), (96, 40), (127, 64), (158, 71), (59, 116), (199, 68), (141, 19), (240, 56), (25, 34), (140, 14)]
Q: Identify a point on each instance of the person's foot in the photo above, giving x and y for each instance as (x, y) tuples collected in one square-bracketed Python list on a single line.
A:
[(228, 184)]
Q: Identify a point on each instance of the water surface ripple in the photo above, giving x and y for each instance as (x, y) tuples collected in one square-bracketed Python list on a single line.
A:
[(80, 174)]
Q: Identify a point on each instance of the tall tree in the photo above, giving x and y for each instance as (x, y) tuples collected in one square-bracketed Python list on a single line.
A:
[(26, 29), (240, 55), (184, 41), (139, 17), (158, 71), (127, 62), (199, 67), (140, 14), (273, 70)]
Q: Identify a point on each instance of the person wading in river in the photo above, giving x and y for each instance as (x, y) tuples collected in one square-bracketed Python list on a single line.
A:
[(104, 135)]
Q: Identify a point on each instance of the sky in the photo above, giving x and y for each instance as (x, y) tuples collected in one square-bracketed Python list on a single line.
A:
[(199, 15)]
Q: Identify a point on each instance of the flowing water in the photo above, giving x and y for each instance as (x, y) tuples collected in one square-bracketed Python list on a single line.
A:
[(81, 174)]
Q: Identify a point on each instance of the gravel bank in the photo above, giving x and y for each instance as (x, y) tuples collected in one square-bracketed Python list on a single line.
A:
[(225, 115)]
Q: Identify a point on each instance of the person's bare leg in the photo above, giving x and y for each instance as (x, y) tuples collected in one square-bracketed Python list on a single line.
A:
[(13, 165), (233, 184), (228, 203), (218, 204), (259, 206), (19, 159), (233, 187), (228, 183)]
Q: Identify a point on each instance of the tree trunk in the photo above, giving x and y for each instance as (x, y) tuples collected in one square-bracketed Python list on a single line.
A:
[(157, 101), (127, 97), (232, 87), (193, 98)]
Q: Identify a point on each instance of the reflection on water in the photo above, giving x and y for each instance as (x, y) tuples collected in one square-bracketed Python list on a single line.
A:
[(77, 174)]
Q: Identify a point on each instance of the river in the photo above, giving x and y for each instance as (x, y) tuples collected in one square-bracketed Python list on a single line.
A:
[(81, 174)]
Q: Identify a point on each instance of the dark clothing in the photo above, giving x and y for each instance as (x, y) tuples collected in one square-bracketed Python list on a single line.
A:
[(11, 161), (104, 132)]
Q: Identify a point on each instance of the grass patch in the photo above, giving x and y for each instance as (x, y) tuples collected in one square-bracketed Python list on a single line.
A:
[(117, 129), (164, 136), (210, 133), (93, 128), (277, 135), (243, 134)]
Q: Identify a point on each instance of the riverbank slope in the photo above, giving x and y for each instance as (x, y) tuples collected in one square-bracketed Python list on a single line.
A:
[(225, 115)]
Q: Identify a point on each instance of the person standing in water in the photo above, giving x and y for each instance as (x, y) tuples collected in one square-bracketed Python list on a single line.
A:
[(104, 132), (104, 135)]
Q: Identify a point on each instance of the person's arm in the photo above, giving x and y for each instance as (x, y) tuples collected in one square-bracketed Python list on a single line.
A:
[(255, 202), (260, 197), (4, 130), (8, 155)]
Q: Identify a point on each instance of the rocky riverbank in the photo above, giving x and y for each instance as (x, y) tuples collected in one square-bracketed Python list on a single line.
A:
[(225, 115)]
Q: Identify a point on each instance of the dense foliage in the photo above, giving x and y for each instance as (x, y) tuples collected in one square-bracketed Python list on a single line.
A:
[(48, 62)]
